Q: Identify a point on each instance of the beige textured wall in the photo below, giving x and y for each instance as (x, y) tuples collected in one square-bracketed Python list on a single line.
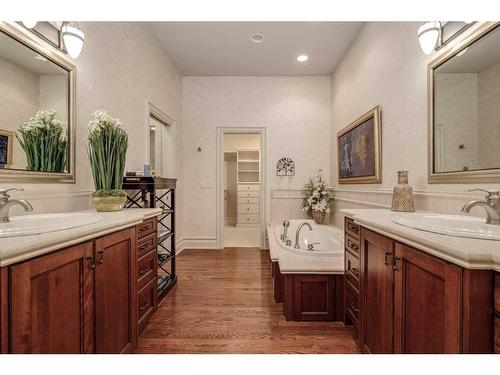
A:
[(295, 112), (19, 93), (385, 66), (121, 67), (489, 116)]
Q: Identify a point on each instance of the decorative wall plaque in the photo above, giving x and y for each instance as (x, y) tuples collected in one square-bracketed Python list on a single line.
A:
[(285, 167)]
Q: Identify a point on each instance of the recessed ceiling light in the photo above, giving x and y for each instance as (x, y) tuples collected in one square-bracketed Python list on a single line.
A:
[(302, 58), (257, 38)]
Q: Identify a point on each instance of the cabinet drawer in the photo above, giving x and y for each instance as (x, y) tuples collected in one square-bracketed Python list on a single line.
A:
[(352, 228), (352, 269), (248, 218), (352, 245), (147, 227), (146, 269), (352, 303), (248, 200), (248, 194), (145, 304), (243, 187), (497, 293), (248, 208), (146, 244)]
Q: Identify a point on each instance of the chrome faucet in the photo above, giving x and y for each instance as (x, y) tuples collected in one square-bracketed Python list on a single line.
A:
[(491, 205), (284, 235), (297, 233), (6, 204)]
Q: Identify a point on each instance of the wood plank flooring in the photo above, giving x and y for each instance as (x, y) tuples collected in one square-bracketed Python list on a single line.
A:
[(223, 303)]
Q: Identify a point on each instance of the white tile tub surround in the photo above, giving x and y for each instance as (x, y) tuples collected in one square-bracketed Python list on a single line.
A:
[(121, 67), (385, 66), (295, 112)]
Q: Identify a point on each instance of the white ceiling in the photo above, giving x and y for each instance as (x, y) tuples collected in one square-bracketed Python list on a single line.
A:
[(225, 48)]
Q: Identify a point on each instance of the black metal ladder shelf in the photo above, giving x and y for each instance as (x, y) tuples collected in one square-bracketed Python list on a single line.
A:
[(148, 192)]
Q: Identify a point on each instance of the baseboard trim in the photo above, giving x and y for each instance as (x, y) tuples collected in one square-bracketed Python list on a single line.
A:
[(209, 243)]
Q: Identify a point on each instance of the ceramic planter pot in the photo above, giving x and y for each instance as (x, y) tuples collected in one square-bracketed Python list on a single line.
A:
[(109, 204)]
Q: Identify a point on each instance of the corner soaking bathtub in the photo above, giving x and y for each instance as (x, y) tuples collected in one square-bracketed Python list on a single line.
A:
[(330, 239)]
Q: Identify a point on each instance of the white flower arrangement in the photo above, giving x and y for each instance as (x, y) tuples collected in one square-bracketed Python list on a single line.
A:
[(102, 120), (318, 195)]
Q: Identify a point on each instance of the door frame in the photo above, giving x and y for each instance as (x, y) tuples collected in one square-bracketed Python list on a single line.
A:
[(220, 180)]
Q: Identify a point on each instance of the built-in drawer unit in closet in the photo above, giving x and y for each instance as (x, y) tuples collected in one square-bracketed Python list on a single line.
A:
[(248, 188)]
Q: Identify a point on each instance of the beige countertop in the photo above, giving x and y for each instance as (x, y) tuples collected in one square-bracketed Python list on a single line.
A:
[(294, 264), (16, 249), (466, 252)]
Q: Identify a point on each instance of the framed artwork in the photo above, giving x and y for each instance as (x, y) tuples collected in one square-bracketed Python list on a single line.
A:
[(359, 150), (6, 139)]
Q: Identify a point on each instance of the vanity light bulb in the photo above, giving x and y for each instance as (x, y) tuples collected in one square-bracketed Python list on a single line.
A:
[(302, 58), (29, 24), (428, 35), (73, 39)]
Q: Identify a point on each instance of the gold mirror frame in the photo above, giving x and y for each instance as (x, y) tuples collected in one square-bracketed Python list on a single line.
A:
[(30, 40), (467, 38)]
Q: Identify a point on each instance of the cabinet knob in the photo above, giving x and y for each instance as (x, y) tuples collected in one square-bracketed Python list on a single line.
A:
[(386, 258), (91, 262)]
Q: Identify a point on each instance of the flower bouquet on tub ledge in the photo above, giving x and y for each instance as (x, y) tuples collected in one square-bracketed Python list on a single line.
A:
[(107, 148), (318, 196)]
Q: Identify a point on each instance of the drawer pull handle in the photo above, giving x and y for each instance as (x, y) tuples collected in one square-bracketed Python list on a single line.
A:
[(143, 229), (248, 208), (353, 246), (145, 246), (354, 307), (144, 306), (91, 262)]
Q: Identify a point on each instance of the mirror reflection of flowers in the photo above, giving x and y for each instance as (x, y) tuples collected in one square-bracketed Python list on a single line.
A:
[(44, 142), (318, 197)]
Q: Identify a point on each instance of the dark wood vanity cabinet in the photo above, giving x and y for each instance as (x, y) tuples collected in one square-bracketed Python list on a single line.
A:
[(413, 302), (115, 292), (81, 299)]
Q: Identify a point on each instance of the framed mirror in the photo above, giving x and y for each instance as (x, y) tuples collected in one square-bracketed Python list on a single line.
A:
[(37, 106), (464, 108)]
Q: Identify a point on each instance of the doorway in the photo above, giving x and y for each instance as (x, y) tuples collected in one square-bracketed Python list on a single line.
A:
[(241, 182)]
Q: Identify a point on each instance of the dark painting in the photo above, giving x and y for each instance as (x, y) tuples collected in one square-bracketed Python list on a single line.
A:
[(357, 151), (4, 149)]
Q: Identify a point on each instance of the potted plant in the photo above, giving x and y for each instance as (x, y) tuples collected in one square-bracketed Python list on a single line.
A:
[(318, 196), (107, 148), (43, 141)]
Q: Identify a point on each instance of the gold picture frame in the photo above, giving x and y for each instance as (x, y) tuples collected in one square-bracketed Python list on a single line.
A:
[(359, 150), (10, 138)]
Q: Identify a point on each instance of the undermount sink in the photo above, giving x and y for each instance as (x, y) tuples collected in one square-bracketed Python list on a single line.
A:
[(45, 223), (451, 225)]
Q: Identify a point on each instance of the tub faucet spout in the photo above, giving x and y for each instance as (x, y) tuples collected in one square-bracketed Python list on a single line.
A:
[(297, 233)]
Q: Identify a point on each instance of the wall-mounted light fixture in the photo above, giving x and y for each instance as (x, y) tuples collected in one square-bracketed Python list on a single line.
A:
[(73, 38), (29, 24), (428, 36)]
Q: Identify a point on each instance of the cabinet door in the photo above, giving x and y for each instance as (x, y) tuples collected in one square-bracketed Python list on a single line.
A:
[(52, 303), (376, 294), (116, 292), (427, 303)]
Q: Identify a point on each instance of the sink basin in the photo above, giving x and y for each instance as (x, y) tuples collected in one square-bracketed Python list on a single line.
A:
[(451, 225), (45, 223)]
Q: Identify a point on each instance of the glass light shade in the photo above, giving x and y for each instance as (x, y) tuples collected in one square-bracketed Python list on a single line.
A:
[(29, 24), (428, 35), (73, 39)]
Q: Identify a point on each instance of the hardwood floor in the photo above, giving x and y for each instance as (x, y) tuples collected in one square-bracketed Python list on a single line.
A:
[(223, 303)]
